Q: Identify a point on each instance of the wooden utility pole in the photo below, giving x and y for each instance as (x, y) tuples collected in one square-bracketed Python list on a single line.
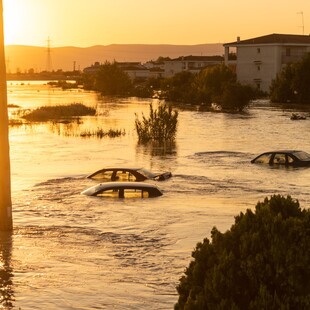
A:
[(6, 222)]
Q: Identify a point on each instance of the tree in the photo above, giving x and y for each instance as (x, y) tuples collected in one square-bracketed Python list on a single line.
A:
[(301, 80), (281, 88), (292, 84), (179, 87), (5, 174), (236, 96), (219, 84), (112, 80), (262, 262), (212, 81)]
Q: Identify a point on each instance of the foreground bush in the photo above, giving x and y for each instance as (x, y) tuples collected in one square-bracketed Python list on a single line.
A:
[(46, 113), (160, 126), (262, 262)]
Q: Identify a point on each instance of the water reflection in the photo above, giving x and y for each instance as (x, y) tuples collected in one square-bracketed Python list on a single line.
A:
[(155, 149), (6, 271)]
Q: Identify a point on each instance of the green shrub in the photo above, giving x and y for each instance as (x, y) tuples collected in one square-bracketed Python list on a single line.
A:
[(160, 126), (262, 262)]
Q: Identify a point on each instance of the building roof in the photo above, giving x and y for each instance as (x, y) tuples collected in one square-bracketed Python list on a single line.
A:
[(197, 58), (274, 38)]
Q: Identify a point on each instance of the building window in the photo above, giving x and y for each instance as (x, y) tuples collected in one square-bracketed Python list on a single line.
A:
[(288, 52), (258, 50), (258, 68)]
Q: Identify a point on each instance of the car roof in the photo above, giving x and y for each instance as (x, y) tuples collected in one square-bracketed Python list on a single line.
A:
[(110, 185), (120, 168), (283, 151), (126, 184)]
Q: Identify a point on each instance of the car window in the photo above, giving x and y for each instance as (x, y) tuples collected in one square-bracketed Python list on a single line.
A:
[(124, 176), (124, 193), (263, 159), (112, 193), (103, 175), (279, 159), (133, 193), (290, 159)]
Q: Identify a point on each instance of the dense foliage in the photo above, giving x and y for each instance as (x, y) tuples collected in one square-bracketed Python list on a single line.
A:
[(262, 262), (179, 88), (160, 126), (292, 84), (216, 84), (109, 80)]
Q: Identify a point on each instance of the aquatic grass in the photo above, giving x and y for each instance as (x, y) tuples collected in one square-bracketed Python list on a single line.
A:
[(47, 113), (100, 133)]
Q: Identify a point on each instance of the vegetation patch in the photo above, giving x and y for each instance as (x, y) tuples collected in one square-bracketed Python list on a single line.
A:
[(13, 105), (64, 84), (48, 113)]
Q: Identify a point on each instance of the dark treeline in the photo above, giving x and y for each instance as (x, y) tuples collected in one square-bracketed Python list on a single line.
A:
[(216, 84)]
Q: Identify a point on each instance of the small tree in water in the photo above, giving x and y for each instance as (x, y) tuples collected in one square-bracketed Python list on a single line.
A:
[(160, 126)]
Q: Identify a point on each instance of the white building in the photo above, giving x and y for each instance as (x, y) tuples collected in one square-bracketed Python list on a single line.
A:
[(260, 59)]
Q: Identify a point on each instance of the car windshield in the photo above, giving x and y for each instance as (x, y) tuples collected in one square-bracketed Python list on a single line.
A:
[(302, 155), (146, 173), (263, 159)]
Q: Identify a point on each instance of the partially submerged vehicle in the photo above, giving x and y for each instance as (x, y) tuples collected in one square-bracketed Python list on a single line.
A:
[(296, 116), (292, 158), (124, 190), (128, 174)]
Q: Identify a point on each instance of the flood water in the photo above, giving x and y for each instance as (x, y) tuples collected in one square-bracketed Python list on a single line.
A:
[(70, 251)]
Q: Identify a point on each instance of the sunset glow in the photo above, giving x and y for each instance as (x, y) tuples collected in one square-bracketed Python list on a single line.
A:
[(97, 22)]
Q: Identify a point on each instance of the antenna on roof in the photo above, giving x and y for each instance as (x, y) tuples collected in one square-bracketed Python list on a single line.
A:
[(302, 19)]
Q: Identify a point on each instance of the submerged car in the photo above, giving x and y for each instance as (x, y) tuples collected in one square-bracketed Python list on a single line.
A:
[(128, 174), (292, 158), (124, 190)]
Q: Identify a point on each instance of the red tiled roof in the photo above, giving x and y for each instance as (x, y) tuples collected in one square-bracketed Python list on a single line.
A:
[(275, 39)]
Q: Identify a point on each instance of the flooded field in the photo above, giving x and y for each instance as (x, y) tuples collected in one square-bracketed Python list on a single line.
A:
[(70, 251)]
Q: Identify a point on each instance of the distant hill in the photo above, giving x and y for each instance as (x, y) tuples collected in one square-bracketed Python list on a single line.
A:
[(22, 58)]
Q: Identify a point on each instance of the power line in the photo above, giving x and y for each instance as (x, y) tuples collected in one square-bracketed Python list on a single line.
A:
[(49, 66)]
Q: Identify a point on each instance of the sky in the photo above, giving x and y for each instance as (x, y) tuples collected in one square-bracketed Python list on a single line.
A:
[(84, 23)]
